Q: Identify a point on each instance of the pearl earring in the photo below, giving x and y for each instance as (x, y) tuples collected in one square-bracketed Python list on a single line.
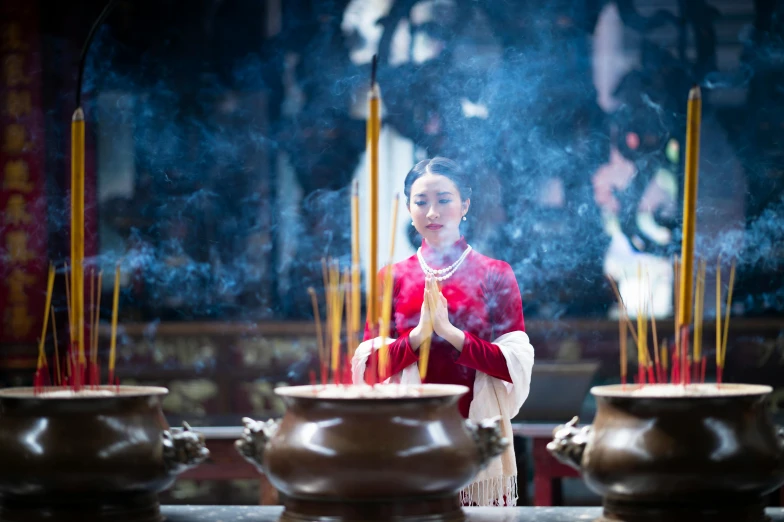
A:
[(464, 218), (412, 223)]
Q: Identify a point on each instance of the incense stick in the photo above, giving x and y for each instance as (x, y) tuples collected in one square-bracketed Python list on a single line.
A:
[(91, 313), (718, 320), (676, 271), (96, 320), (386, 318), (113, 338), (386, 304), (727, 311), (640, 335), (660, 377), (424, 348), (95, 376), (691, 174), (77, 228), (624, 316), (350, 332), (42, 340), (336, 317), (68, 306), (622, 334), (355, 272), (41, 364), (699, 307), (348, 291), (664, 360), (372, 131), (327, 313), (59, 376), (319, 336)]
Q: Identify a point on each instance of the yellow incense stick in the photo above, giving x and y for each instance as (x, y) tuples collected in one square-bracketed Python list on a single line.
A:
[(56, 349), (727, 311), (42, 340), (327, 306), (691, 173), (624, 312), (373, 130), (698, 311), (337, 315), (386, 305), (644, 335), (622, 340), (91, 312), (356, 284), (319, 335), (96, 320), (653, 322), (356, 304), (640, 331), (676, 270), (664, 357), (115, 310), (386, 318), (718, 313), (349, 293), (71, 331), (424, 348), (77, 228)]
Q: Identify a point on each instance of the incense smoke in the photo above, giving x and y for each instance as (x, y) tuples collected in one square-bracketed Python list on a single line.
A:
[(241, 163)]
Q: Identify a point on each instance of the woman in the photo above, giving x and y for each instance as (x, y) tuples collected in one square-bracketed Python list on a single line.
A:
[(470, 307)]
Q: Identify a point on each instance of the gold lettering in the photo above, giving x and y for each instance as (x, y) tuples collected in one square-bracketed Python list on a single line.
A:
[(16, 246), (18, 282), (13, 67), (18, 320), (15, 142), (18, 103), (17, 176), (13, 39), (16, 211)]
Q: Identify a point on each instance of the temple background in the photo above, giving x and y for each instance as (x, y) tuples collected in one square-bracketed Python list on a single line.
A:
[(223, 137)]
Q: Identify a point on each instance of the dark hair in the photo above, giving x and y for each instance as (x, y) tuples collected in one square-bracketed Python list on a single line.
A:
[(442, 166)]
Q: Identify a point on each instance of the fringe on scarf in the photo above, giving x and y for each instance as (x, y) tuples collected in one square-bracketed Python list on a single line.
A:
[(496, 491)]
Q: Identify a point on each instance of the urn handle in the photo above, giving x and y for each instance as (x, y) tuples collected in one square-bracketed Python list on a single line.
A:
[(183, 449), (488, 438), (569, 442), (254, 439)]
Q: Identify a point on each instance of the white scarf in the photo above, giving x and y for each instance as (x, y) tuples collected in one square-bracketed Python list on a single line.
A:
[(496, 485)]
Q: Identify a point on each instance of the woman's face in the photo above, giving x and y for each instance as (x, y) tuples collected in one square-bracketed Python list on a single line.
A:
[(436, 209)]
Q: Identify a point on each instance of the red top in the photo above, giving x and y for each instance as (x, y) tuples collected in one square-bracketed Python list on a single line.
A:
[(483, 301)]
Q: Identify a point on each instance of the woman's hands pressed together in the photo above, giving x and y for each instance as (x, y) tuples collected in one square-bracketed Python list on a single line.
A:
[(424, 329), (434, 318)]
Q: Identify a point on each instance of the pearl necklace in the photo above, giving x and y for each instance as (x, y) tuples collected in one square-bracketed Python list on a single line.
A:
[(442, 273)]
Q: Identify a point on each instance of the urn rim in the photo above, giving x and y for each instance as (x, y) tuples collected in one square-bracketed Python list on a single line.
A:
[(53, 393), (423, 392), (699, 391)]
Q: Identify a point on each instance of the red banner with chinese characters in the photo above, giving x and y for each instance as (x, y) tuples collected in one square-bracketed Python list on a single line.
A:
[(23, 217)]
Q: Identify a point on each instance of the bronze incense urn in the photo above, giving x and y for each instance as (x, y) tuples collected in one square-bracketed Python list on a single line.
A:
[(100, 454), (390, 452), (678, 453)]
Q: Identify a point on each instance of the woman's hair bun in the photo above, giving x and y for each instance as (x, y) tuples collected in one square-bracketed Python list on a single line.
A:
[(444, 167)]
